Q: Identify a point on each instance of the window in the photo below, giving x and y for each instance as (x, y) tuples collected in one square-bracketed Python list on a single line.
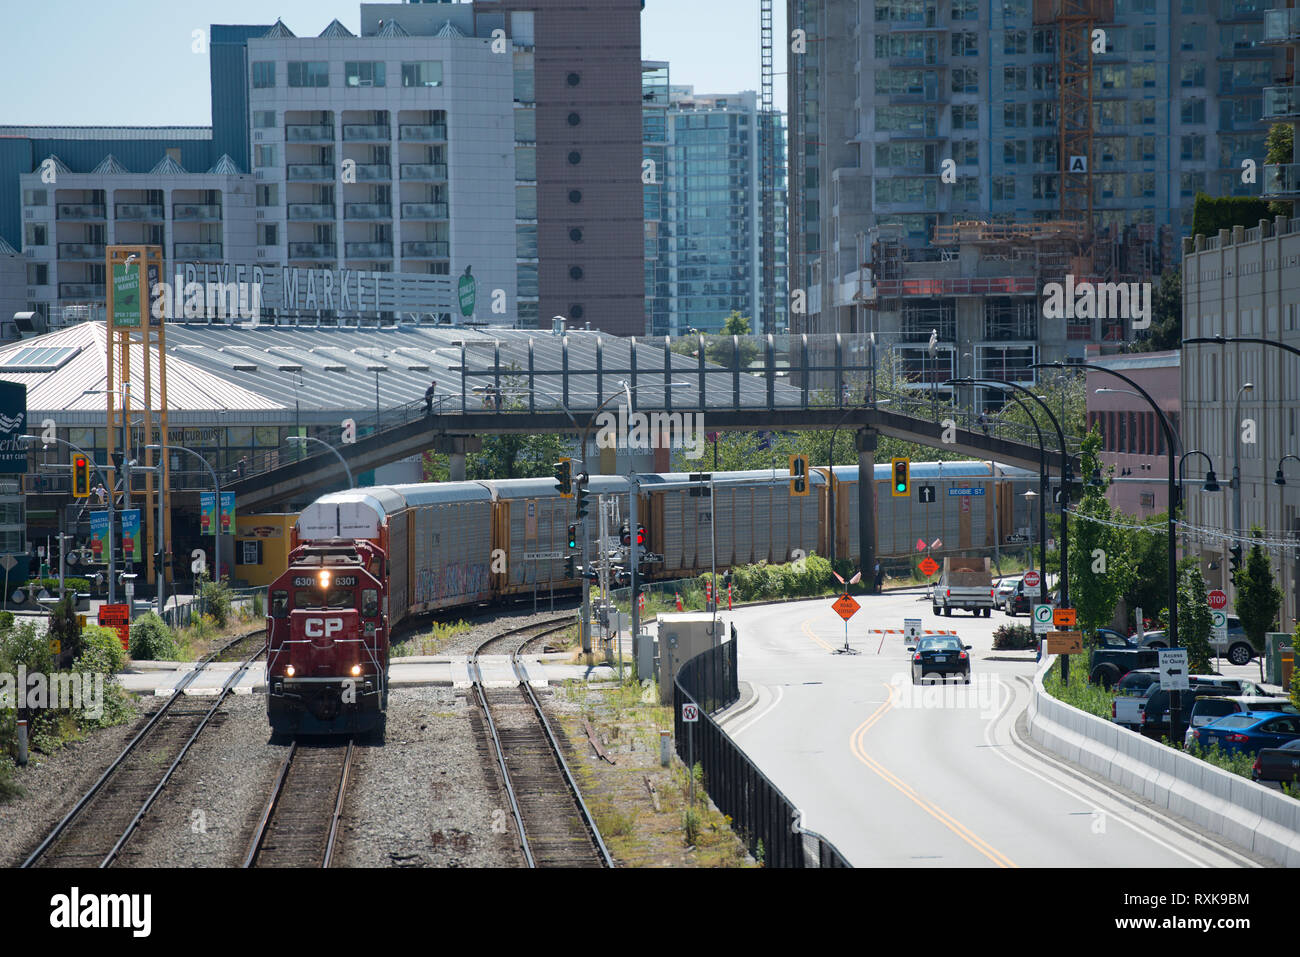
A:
[(36, 234), (1004, 187), (965, 44), (1014, 152), (1045, 114), (1192, 74), (279, 604), (1014, 42), (1045, 41), (965, 80), (268, 195), (369, 603), (1044, 186), (35, 197), (1014, 115), (1013, 78), (966, 117), (966, 152), (1143, 76), (264, 155), (965, 9), (1045, 152), (309, 73), (1193, 111), (268, 234), (263, 75), (1144, 38), (251, 552), (967, 188), (1193, 36), (422, 73), (1144, 148), (38, 274), (525, 202), (525, 126), (264, 119), (364, 73), (525, 163)]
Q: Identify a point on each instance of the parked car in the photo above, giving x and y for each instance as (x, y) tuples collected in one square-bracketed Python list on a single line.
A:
[(1236, 648), (1207, 710), (1156, 716), (1250, 731), (1278, 765), (1020, 603), (1115, 656), (943, 656), (1004, 589), (1131, 694)]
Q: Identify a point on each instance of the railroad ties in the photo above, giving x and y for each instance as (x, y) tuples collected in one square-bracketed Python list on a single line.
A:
[(300, 823)]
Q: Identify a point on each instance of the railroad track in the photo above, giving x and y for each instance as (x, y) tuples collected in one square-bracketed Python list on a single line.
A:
[(96, 830), (555, 827), (308, 795)]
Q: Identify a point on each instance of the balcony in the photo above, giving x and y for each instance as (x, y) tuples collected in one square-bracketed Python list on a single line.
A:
[(374, 173), (311, 212), (424, 172), (1281, 181), (138, 212), (424, 210), (428, 133), (311, 250), (309, 134), (81, 211), (304, 172), (81, 251), (426, 250), (1281, 102), (368, 210), (198, 251), (1282, 26), (368, 250), (196, 213), (82, 290), (360, 133)]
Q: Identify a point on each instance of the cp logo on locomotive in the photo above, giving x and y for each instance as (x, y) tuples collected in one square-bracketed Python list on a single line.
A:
[(322, 627)]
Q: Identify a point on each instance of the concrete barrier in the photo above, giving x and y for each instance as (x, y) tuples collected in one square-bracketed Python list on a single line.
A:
[(1250, 815)]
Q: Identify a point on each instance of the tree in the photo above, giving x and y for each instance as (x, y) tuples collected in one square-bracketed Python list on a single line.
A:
[(1101, 567), (1166, 314), (1210, 214), (736, 324), (1150, 553), (1070, 391), (1194, 620), (1295, 670), (1279, 148), (1258, 598), (66, 629)]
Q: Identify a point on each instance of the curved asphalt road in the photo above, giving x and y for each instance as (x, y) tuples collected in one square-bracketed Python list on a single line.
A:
[(896, 775)]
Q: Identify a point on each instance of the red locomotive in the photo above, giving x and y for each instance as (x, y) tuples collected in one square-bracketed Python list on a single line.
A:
[(327, 640)]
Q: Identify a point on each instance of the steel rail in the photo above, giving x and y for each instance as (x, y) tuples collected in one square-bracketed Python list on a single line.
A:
[(587, 818), (259, 832), (226, 690), (153, 721), (338, 804)]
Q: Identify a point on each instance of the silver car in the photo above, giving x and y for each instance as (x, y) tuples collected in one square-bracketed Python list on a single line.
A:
[(1005, 589)]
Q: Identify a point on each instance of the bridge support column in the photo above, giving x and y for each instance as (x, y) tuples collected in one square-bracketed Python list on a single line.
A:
[(455, 446), (865, 441)]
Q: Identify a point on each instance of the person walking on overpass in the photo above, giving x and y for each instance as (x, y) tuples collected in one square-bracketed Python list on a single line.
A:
[(428, 397)]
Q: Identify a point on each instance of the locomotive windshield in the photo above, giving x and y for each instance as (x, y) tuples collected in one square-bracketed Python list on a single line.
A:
[(315, 598)]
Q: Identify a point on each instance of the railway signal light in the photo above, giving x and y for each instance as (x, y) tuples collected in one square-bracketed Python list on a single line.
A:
[(570, 565), (582, 501), (640, 536), (902, 478), (564, 476), (80, 477), (625, 535), (573, 536), (799, 475)]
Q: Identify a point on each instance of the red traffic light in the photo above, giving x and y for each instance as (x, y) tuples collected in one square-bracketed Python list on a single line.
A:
[(640, 535)]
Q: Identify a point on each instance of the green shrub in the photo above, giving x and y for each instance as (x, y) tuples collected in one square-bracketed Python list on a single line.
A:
[(103, 655), (106, 645), (9, 786), (1014, 637), (259, 610), (216, 601), (6, 620), (152, 640), (51, 585), (1210, 214)]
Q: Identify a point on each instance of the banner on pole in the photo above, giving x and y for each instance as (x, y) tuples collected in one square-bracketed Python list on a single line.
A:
[(131, 534), (99, 535)]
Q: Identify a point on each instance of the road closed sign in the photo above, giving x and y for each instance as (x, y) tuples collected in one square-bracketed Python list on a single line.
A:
[(845, 606)]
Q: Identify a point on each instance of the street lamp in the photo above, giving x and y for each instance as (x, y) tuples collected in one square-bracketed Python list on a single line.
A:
[(304, 439), (1280, 479), (216, 485)]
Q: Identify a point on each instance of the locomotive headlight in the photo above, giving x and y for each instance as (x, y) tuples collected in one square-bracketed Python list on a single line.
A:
[(356, 670), (288, 670), (324, 579)]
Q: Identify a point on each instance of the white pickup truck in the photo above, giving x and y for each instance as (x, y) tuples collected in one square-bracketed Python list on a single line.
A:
[(1131, 697), (966, 583)]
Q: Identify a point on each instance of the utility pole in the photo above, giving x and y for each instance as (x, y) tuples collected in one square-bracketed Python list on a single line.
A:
[(635, 611)]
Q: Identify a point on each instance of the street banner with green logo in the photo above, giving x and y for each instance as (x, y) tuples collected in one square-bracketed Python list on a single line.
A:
[(207, 513), (467, 289), (227, 513), (99, 535), (13, 423), (131, 534), (126, 295)]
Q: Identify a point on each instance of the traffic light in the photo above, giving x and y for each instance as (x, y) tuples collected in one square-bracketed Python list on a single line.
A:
[(1235, 552), (581, 481), (625, 535), (570, 566), (80, 477), (799, 475), (573, 536), (640, 536), (902, 479), (564, 476)]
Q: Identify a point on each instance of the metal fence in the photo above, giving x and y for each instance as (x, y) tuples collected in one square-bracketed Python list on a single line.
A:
[(759, 812)]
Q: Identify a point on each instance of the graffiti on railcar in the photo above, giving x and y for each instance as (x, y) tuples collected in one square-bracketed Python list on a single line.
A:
[(448, 581)]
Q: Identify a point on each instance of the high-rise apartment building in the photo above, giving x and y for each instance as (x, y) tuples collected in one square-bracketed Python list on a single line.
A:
[(886, 92)]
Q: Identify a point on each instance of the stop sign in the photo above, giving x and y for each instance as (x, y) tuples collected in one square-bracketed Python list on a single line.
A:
[(1031, 579), (1218, 599)]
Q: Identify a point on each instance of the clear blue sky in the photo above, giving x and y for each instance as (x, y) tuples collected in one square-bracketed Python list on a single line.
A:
[(77, 62)]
